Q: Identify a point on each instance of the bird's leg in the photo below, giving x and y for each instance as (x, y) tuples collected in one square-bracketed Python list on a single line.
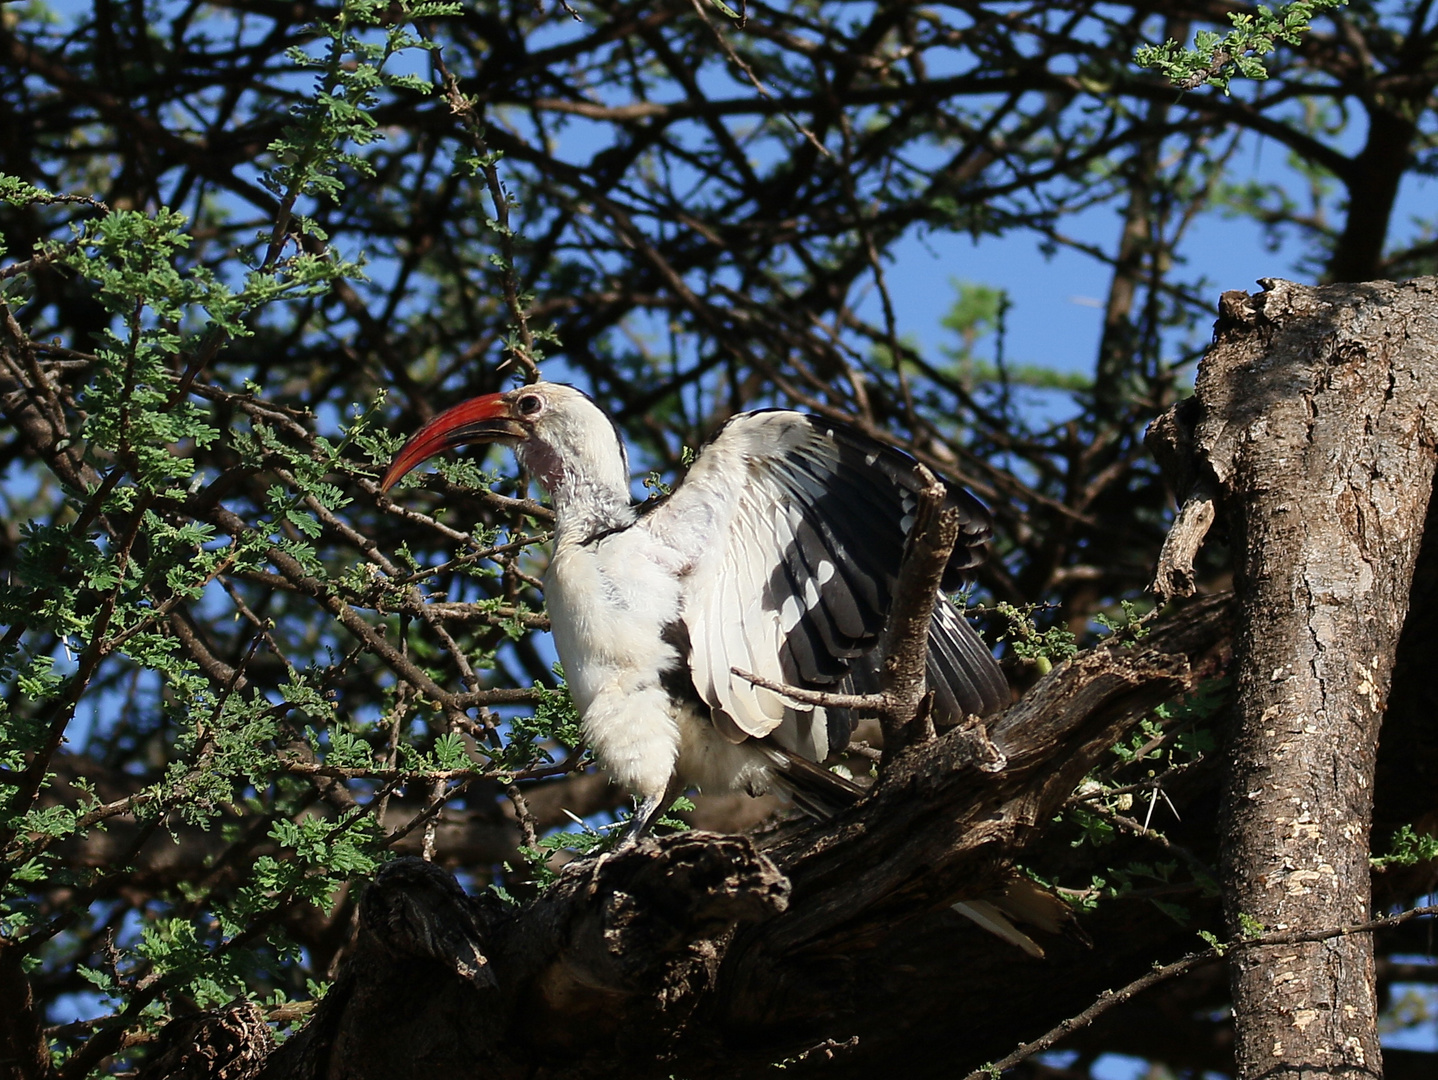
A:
[(646, 811), (644, 814)]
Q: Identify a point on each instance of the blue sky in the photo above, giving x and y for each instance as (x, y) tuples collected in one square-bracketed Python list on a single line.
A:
[(1056, 319)]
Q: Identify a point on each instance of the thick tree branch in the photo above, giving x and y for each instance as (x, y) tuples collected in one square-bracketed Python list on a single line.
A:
[(905, 642)]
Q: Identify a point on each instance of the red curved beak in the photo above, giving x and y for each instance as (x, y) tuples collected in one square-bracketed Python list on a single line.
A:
[(483, 419)]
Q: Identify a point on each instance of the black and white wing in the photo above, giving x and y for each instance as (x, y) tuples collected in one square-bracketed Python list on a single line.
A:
[(800, 526)]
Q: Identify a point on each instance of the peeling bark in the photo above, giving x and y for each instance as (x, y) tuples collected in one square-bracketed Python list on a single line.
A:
[(225, 1044), (1315, 429)]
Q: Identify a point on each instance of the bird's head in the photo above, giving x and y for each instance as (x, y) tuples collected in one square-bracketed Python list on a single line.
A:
[(556, 431)]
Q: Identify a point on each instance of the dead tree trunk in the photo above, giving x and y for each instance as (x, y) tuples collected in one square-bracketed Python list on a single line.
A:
[(1313, 428)]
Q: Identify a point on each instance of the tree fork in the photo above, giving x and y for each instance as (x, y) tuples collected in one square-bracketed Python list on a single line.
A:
[(1315, 431)]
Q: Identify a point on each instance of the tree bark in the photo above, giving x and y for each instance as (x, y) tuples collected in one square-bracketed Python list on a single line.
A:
[(1315, 430)]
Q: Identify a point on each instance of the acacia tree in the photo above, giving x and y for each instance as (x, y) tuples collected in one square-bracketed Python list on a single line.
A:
[(248, 246)]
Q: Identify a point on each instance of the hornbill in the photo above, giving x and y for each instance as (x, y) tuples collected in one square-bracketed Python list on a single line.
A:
[(777, 555)]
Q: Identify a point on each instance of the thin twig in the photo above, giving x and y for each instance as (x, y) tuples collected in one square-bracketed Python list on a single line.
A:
[(823, 699), (1138, 829), (521, 343), (431, 824), (738, 62), (1109, 998), (528, 826), (387, 773)]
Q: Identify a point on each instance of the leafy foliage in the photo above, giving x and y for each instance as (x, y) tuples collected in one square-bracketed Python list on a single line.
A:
[(1407, 848), (104, 597), (1216, 60), (1042, 648)]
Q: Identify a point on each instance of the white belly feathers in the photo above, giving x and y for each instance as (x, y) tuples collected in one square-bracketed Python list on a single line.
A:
[(609, 601)]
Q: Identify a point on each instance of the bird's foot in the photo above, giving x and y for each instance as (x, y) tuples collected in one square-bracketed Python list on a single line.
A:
[(644, 814)]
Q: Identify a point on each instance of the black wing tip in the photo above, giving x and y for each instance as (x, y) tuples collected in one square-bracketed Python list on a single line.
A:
[(962, 665), (976, 522)]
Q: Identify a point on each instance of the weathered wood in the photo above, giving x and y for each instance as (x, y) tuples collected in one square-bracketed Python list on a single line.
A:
[(905, 642), (620, 948), (932, 832), (24, 1054), (224, 1044), (1315, 428)]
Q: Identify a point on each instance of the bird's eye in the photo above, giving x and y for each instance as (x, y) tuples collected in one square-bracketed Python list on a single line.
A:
[(529, 404)]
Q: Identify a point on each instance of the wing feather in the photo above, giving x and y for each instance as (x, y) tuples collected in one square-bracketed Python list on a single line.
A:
[(794, 529)]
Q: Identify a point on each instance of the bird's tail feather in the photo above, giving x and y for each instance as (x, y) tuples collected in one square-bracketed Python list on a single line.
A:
[(818, 792), (995, 922)]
